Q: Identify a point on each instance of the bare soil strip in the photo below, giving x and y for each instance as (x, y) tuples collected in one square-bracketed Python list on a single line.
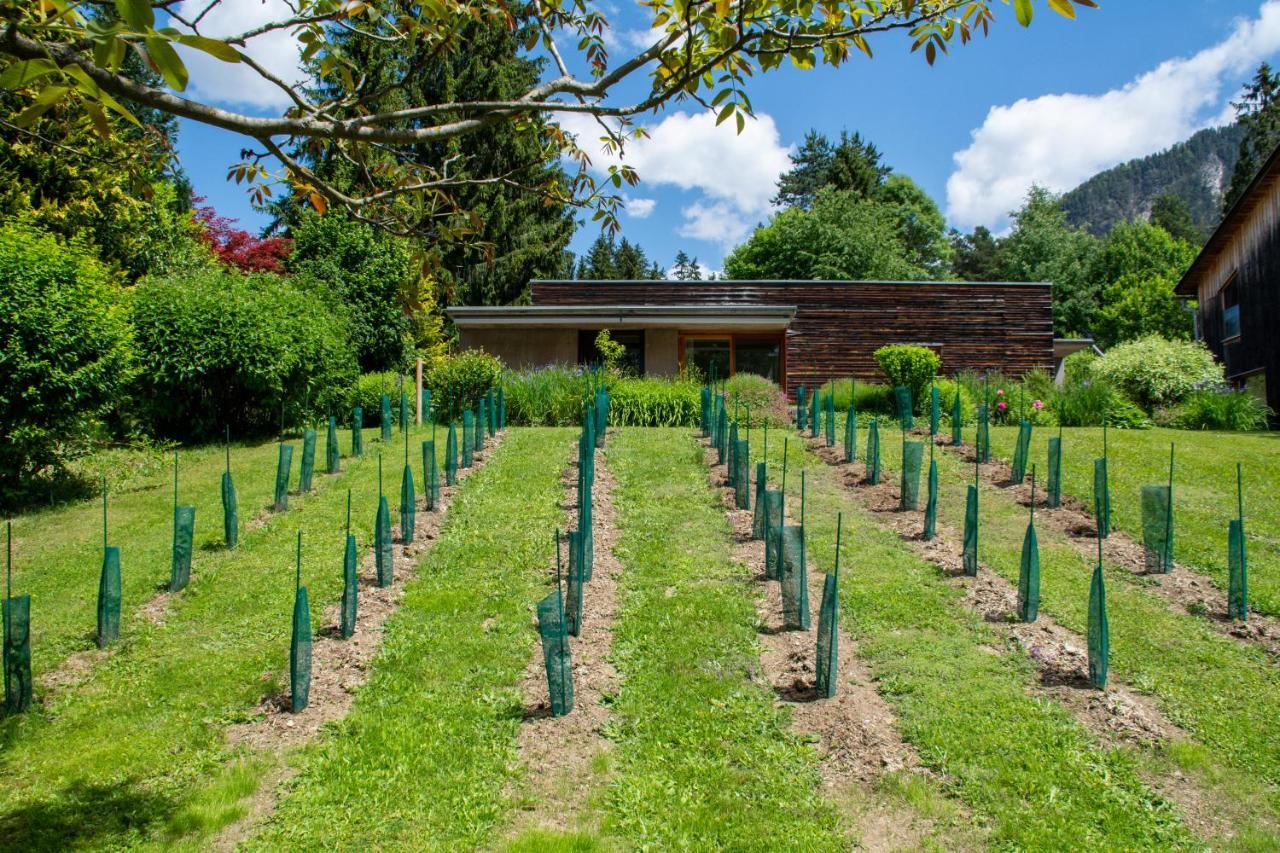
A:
[(857, 733), (1116, 715), (338, 667), (1185, 589), (560, 754)]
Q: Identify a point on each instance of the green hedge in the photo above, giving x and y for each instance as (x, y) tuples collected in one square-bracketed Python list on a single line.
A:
[(554, 395), (220, 349)]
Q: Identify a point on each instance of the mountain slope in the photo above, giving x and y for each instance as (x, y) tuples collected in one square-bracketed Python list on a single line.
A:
[(1197, 170)]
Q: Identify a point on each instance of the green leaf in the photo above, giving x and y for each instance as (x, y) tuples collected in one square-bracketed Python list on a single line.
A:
[(44, 102), (213, 47), (21, 74), (1024, 10), (167, 62), (725, 112), (1063, 8), (137, 13)]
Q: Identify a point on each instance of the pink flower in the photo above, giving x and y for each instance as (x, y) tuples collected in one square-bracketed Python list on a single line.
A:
[(1037, 405), (1000, 392), (1001, 406)]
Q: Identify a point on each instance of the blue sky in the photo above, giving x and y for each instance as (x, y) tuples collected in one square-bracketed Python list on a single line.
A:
[(1052, 104)]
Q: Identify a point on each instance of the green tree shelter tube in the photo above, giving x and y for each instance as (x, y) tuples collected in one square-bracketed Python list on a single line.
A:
[(762, 477), (827, 663), (556, 656), (108, 585), (357, 431), (906, 415), (451, 456), (332, 453), (795, 571), (931, 500), (970, 552), (350, 580), (385, 417), (1029, 566), (957, 419), (1157, 525), (230, 508), (1237, 558), (1021, 451), (775, 516), (801, 416), (731, 472), (912, 460), (184, 526), (300, 642), (284, 462), (306, 469), (430, 474), (408, 498), (982, 444), (404, 411), (935, 410), (1099, 638), (813, 414), (851, 434), (574, 582), (873, 453), (468, 435), (382, 556), (1053, 498), (17, 638), (1102, 489), (831, 418)]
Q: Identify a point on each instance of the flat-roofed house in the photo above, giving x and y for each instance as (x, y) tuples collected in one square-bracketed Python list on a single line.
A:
[(793, 332), (1235, 281)]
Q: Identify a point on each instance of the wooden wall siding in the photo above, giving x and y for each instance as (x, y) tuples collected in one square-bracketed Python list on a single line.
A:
[(839, 325), (1251, 252)]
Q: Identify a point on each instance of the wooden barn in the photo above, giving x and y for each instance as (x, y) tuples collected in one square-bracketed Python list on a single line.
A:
[(794, 332), (1235, 281)]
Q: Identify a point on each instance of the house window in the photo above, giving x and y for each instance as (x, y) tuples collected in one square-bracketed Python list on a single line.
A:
[(711, 356), (728, 354), (760, 356), (1230, 311)]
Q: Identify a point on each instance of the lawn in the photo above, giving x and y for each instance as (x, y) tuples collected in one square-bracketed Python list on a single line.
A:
[(1204, 491)]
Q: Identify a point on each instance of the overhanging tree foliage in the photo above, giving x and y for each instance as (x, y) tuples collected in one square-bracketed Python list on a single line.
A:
[(704, 51)]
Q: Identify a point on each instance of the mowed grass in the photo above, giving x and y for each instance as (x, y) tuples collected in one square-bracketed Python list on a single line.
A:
[(1032, 776), (704, 759), (57, 553), (422, 760), (1224, 693), (1204, 490), (136, 750)]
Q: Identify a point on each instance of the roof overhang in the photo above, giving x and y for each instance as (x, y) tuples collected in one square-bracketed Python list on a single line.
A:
[(682, 317)]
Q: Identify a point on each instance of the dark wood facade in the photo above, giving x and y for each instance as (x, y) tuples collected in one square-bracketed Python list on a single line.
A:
[(839, 325), (1240, 266)]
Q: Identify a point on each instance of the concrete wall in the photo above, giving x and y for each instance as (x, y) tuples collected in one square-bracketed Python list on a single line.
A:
[(521, 348), (661, 352)]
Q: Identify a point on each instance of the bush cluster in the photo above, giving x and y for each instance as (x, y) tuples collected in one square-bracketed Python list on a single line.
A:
[(368, 392), (1154, 372), (912, 366), (760, 400), (458, 381)]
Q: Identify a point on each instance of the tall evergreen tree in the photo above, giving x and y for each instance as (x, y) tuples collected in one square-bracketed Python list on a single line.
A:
[(1258, 110), (1173, 214), (515, 236), (607, 259), (686, 268), (853, 164), (976, 256)]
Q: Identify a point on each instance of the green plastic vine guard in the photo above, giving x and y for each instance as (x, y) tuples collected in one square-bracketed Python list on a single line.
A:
[(108, 585), (300, 642), (1099, 636), (982, 444), (931, 499), (795, 571), (230, 507), (873, 452), (357, 431), (468, 435), (284, 462), (775, 517), (742, 478), (1053, 498), (383, 560), (1021, 451), (385, 417), (731, 472), (477, 440), (912, 461), (404, 411), (574, 581), (830, 410), (430, 474), (827, 663), (451, 456), (502, 408), (350, 580), (556, 656), (1157, 525), (307, 467), (851, 426), (905, 405), (801, 416), (332, 453), (408, 498), (184, 525), (935, 410), (1237, 558), (1029, 565), (970, 552), (1102, 488), (957, 418), (704, 422), (17, 639), (813, 413), (762, 485)]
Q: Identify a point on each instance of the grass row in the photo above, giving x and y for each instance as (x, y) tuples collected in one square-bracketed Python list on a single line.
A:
[(1032, 776), (1204, 491), (126, 754), (422, 759), (704, 758), (1225, 694), (58, 552)]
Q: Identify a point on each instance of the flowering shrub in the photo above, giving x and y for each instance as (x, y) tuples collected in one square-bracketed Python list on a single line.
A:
[(1154, 372)]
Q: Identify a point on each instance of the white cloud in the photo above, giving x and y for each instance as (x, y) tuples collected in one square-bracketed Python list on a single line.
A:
[(236, 84), (734, 174), (640, 208), (1057, 141)]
